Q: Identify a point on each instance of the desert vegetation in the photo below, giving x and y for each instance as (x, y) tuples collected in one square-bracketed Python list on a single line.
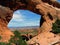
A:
[(15, 40), (56, 27), (20, 36)]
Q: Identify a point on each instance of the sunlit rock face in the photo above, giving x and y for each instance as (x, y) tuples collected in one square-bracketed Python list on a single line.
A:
[(49, 15), (5, 16), (49, 10)]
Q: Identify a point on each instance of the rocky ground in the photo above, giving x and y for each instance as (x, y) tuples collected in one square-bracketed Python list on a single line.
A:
[(45, 38)]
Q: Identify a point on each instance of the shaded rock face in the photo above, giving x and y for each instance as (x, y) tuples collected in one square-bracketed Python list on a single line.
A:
[(49, 10)]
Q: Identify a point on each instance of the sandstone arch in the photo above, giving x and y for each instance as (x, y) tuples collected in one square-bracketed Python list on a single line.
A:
[(49, 11)]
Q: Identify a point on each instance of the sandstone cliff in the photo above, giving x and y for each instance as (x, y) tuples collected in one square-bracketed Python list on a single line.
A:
[(5, 16)]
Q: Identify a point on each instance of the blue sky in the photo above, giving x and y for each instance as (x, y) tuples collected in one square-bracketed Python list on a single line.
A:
[(58, 0), (23, 18)]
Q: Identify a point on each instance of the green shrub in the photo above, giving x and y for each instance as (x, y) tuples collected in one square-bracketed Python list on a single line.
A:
[(56, 27), (16, 39)]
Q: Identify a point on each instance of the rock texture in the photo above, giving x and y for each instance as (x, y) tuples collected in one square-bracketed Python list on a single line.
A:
[(48, 9), (5, 16)]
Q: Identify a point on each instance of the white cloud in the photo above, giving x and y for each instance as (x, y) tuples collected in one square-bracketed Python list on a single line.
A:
[(17, 16)]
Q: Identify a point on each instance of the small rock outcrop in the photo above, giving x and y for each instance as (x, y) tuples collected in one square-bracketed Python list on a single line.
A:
[(48, 9)]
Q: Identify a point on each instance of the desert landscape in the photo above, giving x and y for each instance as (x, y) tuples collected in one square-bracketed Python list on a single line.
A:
[(26, 31)]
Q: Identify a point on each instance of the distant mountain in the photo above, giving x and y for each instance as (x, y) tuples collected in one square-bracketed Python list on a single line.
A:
[(27, 27)]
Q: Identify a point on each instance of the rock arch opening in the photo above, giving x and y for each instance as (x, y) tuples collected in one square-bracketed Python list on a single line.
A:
[(25, 21), (24, 18)]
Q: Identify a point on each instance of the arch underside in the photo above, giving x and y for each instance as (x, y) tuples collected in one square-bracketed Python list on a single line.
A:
[(28, 5)]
